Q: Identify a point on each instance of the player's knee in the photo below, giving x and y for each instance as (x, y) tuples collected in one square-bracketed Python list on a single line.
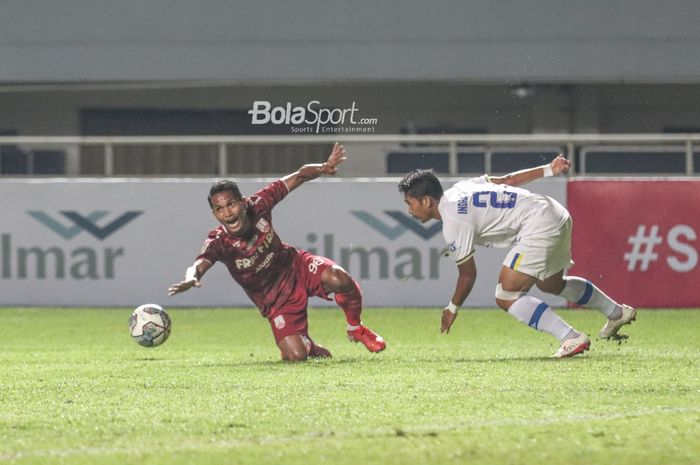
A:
[(294, 354), (504, 298), (294, 348), (504, 304)]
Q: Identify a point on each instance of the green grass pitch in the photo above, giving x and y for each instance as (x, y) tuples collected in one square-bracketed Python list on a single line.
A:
[(75, 389)]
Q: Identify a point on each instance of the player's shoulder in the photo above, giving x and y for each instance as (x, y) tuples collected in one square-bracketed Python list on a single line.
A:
[(482, 180), (275, 189), (216, 233), (213, 243), (465, 186), (267, 197)]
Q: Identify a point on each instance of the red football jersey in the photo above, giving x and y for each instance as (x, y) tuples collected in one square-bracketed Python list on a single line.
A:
[(261, 264)]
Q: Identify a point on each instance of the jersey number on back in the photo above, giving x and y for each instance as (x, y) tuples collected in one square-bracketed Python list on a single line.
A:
[(504, 200)]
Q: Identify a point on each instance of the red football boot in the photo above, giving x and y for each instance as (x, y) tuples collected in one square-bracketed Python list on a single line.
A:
[(370, 339)]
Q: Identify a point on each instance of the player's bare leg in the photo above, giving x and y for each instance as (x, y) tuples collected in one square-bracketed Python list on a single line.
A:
[(293, 348), (349, 297), (511, 296), (297, 348)]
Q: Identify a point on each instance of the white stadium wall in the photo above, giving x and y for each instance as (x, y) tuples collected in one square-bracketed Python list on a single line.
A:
[(123, 242)]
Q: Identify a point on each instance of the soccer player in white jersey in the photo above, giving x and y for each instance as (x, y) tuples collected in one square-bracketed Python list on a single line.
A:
[(492, 211)]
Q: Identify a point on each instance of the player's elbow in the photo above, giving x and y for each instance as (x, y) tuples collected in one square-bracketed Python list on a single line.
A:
[(510, 180), (499, 179)]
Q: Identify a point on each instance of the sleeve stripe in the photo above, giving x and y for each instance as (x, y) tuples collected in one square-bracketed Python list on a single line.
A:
[(285, 185)]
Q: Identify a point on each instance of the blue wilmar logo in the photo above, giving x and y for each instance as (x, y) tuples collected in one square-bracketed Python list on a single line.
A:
[(405, 223), (87, 223)]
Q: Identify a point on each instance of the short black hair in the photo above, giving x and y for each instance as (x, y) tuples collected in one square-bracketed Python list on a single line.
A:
[(421, 183), (224, 186)]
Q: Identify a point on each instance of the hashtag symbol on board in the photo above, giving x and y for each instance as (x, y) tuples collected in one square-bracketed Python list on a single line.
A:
[(642, 252)]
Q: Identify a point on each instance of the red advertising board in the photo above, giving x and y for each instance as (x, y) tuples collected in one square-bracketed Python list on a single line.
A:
[(638, 240)]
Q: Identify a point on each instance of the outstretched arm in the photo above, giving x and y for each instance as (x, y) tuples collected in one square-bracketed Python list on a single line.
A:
[(312, 171), (465, 283), (558, 166), (192, 277)]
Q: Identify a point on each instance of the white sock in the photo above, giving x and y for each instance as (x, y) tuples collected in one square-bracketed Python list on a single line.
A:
[(583, 292), (538, 315)]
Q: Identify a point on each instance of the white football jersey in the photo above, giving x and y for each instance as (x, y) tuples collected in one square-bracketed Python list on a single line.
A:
[(478, 212)]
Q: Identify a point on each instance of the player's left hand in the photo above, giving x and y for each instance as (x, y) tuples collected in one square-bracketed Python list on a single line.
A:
[(314, 170), (560, 165), (336, 157), (447, 319)]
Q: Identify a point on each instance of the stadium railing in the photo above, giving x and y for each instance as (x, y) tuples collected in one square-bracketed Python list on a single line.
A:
[(592, 154)]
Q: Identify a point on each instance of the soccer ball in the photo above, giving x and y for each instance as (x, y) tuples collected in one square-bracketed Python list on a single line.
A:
[(150, 325)]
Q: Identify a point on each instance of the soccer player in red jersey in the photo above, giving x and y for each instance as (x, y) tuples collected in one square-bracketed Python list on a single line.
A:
[(277, 277)]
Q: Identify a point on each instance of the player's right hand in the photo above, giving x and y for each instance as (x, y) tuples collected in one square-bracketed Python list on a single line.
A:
[(182, 286), (447, 319), (187, 283)]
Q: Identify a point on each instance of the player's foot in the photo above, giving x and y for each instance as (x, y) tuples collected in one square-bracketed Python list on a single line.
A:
[(573, 346), (611, 327), (318, 351), (370, 339)]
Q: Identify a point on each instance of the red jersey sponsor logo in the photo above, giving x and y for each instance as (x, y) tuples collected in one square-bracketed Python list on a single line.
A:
[(262, 249)]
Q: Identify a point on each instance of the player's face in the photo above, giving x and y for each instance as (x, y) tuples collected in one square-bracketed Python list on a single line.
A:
[(230, 211), (418, 208)]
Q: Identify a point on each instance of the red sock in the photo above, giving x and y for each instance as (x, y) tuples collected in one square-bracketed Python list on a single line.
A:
[(351, 303)]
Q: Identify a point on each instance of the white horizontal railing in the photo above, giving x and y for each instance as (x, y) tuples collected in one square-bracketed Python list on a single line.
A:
[(451, 141)]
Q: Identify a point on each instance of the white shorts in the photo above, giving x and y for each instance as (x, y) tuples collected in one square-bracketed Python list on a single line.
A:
[(542, 254)]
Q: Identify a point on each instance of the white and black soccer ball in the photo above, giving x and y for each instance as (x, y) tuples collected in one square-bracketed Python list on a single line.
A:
[(150, 325)]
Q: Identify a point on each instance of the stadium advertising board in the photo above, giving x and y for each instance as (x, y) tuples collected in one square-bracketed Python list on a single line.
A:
[(123, 242), (638, 239)]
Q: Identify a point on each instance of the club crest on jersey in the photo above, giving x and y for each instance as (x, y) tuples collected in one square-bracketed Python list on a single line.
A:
[(263, 225), (452, 246), (251, 242), (279, 322)]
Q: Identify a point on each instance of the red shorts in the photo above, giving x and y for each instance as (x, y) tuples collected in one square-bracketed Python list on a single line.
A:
[(291, 317)]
